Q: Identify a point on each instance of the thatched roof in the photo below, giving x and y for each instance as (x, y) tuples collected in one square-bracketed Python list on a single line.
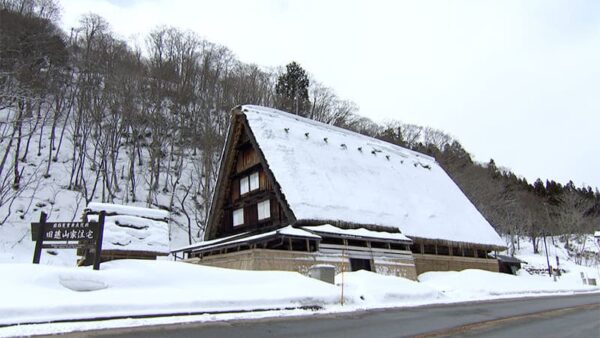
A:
[(328, 174)]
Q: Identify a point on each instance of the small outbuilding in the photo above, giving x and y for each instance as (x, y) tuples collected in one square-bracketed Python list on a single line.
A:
[(131, 232), (508, 264)]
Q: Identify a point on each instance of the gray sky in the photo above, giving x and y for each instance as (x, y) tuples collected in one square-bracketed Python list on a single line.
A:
[(517, 81)]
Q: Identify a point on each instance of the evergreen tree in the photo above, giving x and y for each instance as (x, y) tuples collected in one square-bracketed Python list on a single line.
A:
[(493, 169), (539, 189), (292, 90)]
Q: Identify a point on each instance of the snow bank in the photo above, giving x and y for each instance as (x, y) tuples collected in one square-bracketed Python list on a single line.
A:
[(368, 289), (130, 287), (474, 284)]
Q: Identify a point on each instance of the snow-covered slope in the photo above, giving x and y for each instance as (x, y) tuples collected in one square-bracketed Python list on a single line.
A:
[(582, 256), (52, 195), (327, 173)]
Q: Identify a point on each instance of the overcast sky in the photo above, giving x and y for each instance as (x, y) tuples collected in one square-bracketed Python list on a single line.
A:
[(516, 81)]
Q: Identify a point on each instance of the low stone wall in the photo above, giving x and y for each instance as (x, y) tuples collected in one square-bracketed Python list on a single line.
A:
[(265, 259), (425, 263)]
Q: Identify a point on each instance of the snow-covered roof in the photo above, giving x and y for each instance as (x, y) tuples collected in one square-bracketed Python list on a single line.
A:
[(235, 239), (132, 228), (508, 259), (291, 231), (361, 232), (210, 242), (128, 210), (332, 174)]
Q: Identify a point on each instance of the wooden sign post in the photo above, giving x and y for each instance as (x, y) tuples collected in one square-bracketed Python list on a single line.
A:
[(87, 235), (99, 236)]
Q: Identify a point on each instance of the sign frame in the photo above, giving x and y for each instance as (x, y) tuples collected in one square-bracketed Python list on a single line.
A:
[(87, 235)]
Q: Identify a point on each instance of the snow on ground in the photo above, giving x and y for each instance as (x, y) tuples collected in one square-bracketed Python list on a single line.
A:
[(136, 287), (132, 287), (367, 289), (474, 284)]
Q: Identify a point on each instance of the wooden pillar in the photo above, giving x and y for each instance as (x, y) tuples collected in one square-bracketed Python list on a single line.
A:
[(37, 253), (99, 240)]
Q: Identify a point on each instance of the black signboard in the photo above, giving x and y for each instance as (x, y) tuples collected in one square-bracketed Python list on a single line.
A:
[(66, 231), (86, 235)]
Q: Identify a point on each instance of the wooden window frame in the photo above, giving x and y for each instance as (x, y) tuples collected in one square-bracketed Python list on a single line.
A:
[(253, 178), (240, 213), (249, 183), (268, 209), (244, 183)]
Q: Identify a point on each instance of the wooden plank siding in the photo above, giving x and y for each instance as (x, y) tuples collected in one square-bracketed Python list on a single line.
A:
[(247, 157)]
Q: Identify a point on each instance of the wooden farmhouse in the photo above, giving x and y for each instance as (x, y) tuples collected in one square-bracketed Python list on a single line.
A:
[(293, 192)]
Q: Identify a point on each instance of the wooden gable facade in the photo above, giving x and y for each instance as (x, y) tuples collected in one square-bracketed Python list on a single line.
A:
[(247, 196)]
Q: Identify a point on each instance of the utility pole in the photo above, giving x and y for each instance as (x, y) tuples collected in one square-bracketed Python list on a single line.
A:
[(547, 259), (546, 246), (343, 261)]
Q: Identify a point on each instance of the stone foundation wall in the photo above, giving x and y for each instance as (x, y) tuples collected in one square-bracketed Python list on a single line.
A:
[(425, 263), (264, 259)]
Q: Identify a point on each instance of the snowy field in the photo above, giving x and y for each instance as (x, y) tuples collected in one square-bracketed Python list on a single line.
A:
[(41, 293)]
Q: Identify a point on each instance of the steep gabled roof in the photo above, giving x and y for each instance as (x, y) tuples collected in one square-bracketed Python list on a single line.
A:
[(237, 132), (331, 174)]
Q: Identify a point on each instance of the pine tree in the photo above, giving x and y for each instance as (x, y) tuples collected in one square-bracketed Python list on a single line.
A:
[(493, 169), (539, 189), (292, 90)]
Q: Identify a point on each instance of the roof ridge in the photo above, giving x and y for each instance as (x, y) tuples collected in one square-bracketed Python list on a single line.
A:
[(262, 109)]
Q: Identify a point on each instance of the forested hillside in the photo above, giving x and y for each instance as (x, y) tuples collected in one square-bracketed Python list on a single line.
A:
[(86, 113)]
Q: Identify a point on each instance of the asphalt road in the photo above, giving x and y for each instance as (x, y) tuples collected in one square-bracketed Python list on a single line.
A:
[(565, 316)]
